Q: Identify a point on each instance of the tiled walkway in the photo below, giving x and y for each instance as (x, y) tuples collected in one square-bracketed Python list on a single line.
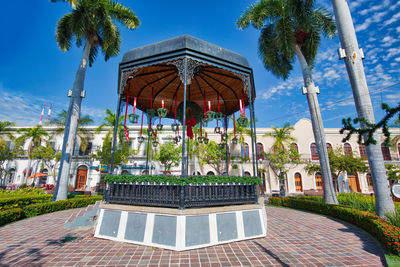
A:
[(294, 238)]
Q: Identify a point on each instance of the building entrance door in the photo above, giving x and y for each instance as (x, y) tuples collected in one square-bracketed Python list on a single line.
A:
[(81, 176), (354, 184)]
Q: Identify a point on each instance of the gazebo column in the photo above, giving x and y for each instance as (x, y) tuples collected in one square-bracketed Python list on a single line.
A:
[(184, 161)]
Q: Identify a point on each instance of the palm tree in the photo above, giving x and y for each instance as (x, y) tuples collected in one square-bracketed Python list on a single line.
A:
[(109, 122), (282, 140), (82, 134), (5, 129), (355, 70), (91, 23), (36, 135), (289, 28)]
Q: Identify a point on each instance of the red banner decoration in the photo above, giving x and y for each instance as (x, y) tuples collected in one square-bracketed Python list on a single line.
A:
[(190, 123), (126, 115)]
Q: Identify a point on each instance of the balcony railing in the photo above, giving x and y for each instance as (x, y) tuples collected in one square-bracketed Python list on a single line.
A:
[(186, 196)]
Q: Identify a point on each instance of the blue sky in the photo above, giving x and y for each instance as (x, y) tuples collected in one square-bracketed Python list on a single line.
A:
[(33, 70)]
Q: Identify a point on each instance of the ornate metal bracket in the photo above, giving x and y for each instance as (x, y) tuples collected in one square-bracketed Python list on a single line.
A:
[(245, 81), (125, 76), (190, 70)]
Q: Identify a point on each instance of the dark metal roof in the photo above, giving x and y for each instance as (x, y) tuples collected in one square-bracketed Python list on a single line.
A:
[(181, 43)]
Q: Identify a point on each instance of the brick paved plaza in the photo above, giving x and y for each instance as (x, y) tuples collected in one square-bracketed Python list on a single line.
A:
[(294, 238)]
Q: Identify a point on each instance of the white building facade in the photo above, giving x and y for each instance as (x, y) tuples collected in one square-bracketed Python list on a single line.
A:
[(87, 174)]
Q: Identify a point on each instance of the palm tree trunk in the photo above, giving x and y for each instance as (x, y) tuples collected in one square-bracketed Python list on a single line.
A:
[(27, 170), (71, 126), (362, 99), (318, 129)]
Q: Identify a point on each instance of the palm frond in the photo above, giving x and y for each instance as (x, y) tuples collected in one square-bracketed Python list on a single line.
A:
[(64, 33), (124, 15)]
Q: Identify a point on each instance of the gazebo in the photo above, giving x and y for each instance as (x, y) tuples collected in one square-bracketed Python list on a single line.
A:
[(192, 82), (187, 74)]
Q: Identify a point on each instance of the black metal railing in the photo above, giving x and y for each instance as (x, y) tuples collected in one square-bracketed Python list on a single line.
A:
[(186, 196)]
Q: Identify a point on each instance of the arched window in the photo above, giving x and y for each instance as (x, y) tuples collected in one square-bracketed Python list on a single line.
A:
[(328, 147), (363, 152), (386, 152), (210, 173), (318, 181), (347, 149), (314, 152), (246, 153), (125, 172), (298, 182), (247, 174), (10, 176), (295, 147), (370, 183), (260, 151), (398, 148)]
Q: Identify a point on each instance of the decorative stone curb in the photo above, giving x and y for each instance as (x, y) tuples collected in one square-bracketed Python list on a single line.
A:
[(181, 232)]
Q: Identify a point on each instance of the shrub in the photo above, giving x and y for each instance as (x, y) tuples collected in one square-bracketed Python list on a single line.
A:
[(393, 218), (11, 215), (22, 192), (163, 179), (386, 233), (22, 201)]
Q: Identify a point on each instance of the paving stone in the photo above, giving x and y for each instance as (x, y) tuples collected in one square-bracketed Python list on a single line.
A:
[(294, 238)]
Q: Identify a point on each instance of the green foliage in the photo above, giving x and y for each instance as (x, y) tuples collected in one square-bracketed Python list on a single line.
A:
[(393, 218), (386, 233), (285, 24), (6, 154), (21, 192), (163, 179), (340, 163), (22, 201), (392, 171), (93, 21), (369, 128), (11, 215), (37, 135), (169, 155), (122, 152), (212, 155)]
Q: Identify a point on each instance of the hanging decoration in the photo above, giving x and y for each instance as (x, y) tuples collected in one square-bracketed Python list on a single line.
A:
[(234, 139), (162, 113), (133, 118), (175, 126), (126, 115), (205, 140), (242, 121), (218, 116), (190, 123), (200, 139), (151, 112), (140, 138), (155, 142)]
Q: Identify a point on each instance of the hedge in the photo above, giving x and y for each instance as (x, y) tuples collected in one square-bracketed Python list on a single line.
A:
[(386, 233), (22, 201), (32, 210), (164, 179)]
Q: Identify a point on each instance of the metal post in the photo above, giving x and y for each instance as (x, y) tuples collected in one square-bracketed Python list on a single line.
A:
[(255, 136), (114, 145), (184, 162), (187, 152), (148, 148), (353, 56), (226, 146), (115, 134), (251, 130)]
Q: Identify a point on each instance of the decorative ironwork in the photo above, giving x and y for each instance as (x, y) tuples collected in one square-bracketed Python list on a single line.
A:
[(150, 132), (245, 81), (217, 130), (174, 127), (125, 76), (210, 115), (234, 140), (219, 116), (155, 143), (151, 113), (159, 126), (140, 139), (162, 112), (187, 196), (133, 118), (242, 121), (192, 66), (200, 139), (205, 140), (224, 137)]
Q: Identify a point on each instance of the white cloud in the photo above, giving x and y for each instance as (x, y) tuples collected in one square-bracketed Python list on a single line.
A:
[(393, 19), (388, 41), (25, 109), (331, 74), (391, 52), (294, 82), (365, 25)]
